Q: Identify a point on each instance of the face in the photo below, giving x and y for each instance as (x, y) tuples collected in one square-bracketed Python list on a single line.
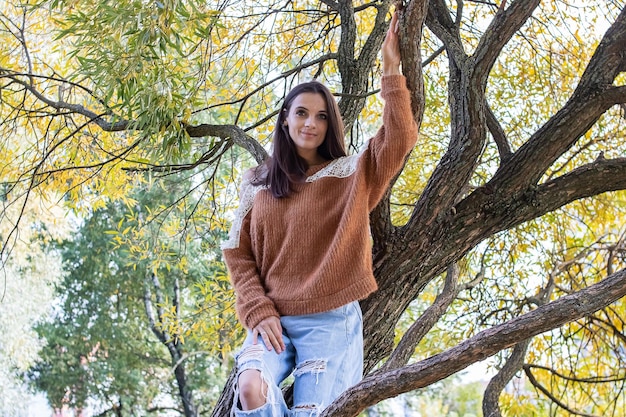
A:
[(307, 121)]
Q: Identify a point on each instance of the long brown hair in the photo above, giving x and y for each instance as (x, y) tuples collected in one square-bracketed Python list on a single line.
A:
[(285, 166)]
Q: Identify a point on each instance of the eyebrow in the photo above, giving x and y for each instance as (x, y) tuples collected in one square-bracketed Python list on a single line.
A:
[(305, 108)]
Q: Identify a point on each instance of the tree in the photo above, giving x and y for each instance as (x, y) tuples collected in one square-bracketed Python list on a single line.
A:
[(529, 126), (120, 336)]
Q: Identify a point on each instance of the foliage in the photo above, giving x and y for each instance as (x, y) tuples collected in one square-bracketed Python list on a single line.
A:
[(515, 184), (100, 344)]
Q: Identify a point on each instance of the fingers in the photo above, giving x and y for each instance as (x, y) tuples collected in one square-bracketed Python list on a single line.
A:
[(394, 26), (271, 333), (391, 41), (391, 47)]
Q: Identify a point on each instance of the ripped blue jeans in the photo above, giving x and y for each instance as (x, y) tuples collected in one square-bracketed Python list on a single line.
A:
[(324, 351)]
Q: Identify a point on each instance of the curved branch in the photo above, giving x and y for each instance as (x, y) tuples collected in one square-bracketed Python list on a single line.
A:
[(381, 228), (498, 33), (598, 177), (497, 132), (547, 393), (609, 59), (382, 385), (592, 380), (468, 129), (318, 61), (515, 362), (593, 96), (370, 49), (402, 353), (440, 22), (485, 212), (237, 134), (75, 108), (234, 132), (491, 399), (355, 71), (532, 160), (412, 20), (333, 5)]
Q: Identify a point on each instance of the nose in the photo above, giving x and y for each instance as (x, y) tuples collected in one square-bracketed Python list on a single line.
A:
[(310, 121)]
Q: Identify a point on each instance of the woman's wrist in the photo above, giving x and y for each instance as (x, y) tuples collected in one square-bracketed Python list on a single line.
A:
[(391, 70)]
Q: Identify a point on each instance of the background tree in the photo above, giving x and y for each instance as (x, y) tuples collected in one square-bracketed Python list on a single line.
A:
[(520, 160), (122, 336), (26, 296)]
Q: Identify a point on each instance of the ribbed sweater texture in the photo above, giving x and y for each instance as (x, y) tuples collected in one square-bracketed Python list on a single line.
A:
[(311, 252)]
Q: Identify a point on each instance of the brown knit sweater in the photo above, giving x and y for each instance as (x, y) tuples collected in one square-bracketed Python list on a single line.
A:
[(311, 252)]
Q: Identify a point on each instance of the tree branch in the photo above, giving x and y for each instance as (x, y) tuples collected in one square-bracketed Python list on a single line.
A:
[(355, 71), (403, 352), (237, 134), (593, 96), (467, 101), (570, 378), (152, 319), (485, 212), (498, 34), (234, 132), (440, 22), (583, 182), (380, 386), (62, 105), (515, 362), (491, 398), (497, 132), (547, 393)]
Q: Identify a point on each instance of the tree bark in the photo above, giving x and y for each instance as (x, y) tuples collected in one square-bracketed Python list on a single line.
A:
[(382, 385)]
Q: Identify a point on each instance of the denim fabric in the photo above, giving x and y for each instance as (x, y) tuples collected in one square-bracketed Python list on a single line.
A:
[(324, 351)]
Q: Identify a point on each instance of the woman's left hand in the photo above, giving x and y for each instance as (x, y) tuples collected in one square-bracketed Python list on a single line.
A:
[(271, 332), (391, 48)]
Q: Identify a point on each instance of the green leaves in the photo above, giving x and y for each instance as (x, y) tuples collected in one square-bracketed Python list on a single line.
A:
[(102, 343), (143, 60)]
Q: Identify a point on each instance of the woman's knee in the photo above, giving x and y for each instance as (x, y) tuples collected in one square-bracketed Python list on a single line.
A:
[(252, 389)]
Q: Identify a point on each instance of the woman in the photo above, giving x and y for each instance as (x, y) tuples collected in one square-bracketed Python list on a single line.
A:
[(299, 251)]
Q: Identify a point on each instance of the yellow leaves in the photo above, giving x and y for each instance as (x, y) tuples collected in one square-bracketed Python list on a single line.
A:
[(211, 322), (580, 371), (216, 325), (520, 404)]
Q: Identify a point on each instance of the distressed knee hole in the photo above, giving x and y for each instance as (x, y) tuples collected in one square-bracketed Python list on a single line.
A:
[(315, 366), (252, 352), (307, 409), (252, 389)]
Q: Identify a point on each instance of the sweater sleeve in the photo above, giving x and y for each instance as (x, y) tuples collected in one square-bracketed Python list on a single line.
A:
[(386, 151), (252, 303)]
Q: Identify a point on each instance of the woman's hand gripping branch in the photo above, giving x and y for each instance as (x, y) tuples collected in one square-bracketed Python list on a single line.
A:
[(391, 48)]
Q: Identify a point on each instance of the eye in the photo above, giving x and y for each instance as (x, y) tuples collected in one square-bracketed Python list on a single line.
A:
[(300, 112), (323, 116)]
